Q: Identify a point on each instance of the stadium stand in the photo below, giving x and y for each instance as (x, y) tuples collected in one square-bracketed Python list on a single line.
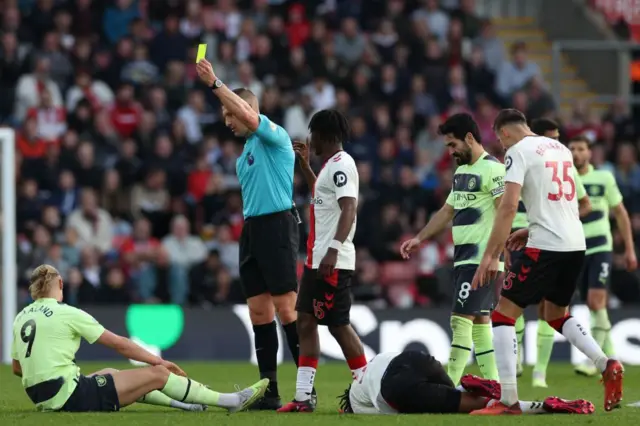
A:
[(126, 175)]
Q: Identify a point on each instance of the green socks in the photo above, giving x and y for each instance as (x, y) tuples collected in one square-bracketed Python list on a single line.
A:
[(545, 346), (186, 390), (483, 347), (460, 347), (608, 347), (600, 326), (520, 324), (156, 398)]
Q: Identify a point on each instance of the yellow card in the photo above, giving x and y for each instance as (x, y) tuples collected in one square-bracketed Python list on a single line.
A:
[(202, 51)]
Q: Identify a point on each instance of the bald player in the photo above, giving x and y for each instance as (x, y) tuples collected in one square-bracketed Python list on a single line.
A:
[(269, 240)]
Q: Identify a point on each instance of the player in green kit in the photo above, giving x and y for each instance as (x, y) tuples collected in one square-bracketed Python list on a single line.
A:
[(605, 195), (46, 337), (477, 189), (546, 333)]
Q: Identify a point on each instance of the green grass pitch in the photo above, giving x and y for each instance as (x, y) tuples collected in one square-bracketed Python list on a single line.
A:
[(332, 379)]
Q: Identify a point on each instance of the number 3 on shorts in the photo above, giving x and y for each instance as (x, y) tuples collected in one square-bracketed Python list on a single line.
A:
[(464, 291), (604, 273)]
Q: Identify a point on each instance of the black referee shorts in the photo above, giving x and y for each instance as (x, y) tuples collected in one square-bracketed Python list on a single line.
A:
[(269, 254), (415, 382)]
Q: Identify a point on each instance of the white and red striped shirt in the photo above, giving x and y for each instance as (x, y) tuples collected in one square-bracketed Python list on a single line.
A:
[(337, 179)]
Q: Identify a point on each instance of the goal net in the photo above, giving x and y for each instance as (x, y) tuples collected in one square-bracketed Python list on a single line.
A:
[(8, 289)]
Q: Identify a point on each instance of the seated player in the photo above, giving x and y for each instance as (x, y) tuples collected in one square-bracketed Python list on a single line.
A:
[(414, 382), (46, 337)]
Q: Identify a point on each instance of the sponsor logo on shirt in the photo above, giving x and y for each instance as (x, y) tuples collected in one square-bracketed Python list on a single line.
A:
[(497, 191), (340, 179), (316, 200)]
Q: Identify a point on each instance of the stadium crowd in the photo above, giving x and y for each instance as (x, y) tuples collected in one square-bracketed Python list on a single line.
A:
[(126, 173)]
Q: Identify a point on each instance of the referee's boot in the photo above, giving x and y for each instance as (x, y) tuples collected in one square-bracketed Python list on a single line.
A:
[(267, 403)]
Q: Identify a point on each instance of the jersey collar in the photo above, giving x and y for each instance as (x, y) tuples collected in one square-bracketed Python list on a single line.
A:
[(47, 300), (332, 156)]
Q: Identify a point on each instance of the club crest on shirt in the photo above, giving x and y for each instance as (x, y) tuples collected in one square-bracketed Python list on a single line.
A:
[(340, 179), (472, 183), (250, 159), (507, 162), (273, 126), (101, 380)]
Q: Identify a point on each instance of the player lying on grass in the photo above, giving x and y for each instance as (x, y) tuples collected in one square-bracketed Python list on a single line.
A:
[(414, 382), (46, 337)]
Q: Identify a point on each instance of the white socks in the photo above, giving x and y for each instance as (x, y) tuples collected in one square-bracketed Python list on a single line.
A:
[(506, 349), (304, 383), (532, 407), (578, 336)]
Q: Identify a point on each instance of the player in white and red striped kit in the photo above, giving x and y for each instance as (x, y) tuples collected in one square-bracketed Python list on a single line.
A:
[(324, 297), (540, 170)]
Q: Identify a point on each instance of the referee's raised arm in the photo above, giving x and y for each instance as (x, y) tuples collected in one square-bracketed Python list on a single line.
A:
[(269, 240)]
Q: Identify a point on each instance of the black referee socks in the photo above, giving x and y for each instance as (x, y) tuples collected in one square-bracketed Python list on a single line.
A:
[(293, 340), (266, 346)]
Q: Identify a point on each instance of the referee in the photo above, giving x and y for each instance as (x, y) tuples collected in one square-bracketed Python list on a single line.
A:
[(269, 241)]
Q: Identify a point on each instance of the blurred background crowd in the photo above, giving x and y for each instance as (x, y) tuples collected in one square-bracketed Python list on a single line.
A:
[(126, 173)]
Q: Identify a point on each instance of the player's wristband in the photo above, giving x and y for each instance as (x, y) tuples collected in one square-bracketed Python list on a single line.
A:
[(335, 244)]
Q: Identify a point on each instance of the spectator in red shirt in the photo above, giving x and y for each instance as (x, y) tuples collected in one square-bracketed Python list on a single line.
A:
[(198, 180), (142, 254), (28, 142), (298, 28), (51, 120), (126, 112)]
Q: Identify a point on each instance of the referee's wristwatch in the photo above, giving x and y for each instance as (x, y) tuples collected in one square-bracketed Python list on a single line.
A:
[(217, 83)]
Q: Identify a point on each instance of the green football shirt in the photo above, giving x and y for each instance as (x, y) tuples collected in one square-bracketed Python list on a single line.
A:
[(46, 337), (475, 187), (604, 193)]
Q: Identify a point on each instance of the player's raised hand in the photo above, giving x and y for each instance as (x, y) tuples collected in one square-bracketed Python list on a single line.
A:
[(409, 247), (328, 263), (302, 151), (205, 72), (173, 368), (631, 260), (517, 240)]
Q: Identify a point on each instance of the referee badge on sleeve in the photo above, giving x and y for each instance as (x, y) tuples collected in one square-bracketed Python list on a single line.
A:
[(340, 179)]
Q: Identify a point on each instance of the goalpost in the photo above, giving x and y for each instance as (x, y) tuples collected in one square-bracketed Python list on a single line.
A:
[(8, 284)]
